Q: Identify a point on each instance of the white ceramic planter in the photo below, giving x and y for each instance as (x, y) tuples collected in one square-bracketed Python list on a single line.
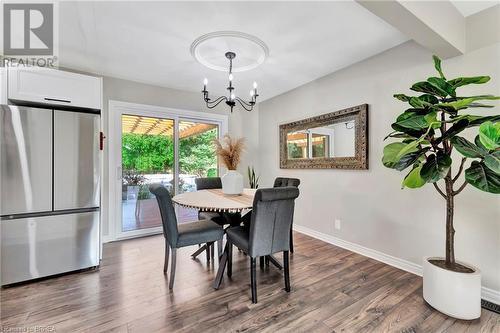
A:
[(232, 183), (455, 294)]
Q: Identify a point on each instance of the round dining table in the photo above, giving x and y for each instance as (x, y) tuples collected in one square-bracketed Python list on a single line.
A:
[(214, 200)]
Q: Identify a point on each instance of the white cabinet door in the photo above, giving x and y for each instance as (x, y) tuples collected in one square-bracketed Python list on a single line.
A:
[(54, 87)]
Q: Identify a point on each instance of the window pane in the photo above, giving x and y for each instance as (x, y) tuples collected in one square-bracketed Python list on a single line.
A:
[(297, 145), (147, 157), (197, 156), (320, 146)]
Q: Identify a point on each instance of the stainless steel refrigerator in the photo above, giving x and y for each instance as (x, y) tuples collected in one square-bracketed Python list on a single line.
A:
[(50, 186)]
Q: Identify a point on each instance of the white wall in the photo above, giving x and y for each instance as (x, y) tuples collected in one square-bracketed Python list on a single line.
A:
[(241, 122), (374, 211)]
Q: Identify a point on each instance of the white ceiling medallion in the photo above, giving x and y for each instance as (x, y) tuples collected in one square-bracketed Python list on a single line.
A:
[(209, 50)]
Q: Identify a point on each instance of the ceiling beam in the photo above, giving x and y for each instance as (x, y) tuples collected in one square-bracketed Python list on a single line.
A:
[(436, 25)]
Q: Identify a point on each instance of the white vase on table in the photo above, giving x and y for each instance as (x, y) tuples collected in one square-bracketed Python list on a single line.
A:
[(232, 183)]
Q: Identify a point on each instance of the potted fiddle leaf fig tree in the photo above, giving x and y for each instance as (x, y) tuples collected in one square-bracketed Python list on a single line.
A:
[(428, 132)]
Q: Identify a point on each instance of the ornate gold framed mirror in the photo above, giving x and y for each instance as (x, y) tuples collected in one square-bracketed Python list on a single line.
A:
[(336, 140)]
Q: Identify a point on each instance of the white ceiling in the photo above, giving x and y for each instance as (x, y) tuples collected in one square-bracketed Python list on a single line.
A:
[(469, 7), (149, 41)]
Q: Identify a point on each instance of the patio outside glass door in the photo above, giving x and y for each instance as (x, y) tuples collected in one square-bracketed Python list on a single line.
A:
[(147, 157), (173, 152), (197, 159)]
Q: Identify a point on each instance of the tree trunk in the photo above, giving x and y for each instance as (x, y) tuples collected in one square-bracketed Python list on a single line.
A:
[(450, 231)]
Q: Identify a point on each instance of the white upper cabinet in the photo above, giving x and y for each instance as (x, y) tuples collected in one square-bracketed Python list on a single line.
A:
[(55, 87)]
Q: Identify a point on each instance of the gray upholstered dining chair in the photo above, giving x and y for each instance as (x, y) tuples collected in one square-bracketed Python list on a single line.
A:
[(208, 183), (271, 220), (278, 182), (185, 234), (282, 182)]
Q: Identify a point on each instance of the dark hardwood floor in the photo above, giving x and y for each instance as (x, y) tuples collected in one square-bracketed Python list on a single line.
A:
[(333, 290)]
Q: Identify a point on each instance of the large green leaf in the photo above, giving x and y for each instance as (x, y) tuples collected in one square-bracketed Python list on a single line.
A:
[(483, 178), (393, 153), (457, 127), (421, 103), (492, 161), (410, 147), (397, 135), (415, 122), (478, 120), (411, 132), (462, 81), (464, 103), (428, 98), (413, 179), (437, 65), (390, 154), (442, 107), (402, 97), (409, 159), (478, 143), (436, 167), (467, 148), (489, 134), (429, 88), (442, 84), (431, 119), (406, 115)]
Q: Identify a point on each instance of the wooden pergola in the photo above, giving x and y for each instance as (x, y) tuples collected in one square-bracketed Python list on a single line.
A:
[(161, 126)]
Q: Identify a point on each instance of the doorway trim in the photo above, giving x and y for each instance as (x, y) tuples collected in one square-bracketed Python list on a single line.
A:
[(115, 111)]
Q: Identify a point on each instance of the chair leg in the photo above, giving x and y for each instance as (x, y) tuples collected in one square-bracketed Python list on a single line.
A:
[(172, 269), (165, 264), (212, 251), (253, 279), (200, 250), (286, 265), (229, 259), (261, 262), (208, 251), (291, 240), (266, 260), (219, 249), (220, 271), (271, 259)]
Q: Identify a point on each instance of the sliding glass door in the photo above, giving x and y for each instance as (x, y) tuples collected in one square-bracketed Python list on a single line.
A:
[(147, 157), (160, 148)]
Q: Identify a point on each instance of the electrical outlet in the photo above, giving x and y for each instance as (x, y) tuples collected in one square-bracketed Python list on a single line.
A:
[(338, 224)]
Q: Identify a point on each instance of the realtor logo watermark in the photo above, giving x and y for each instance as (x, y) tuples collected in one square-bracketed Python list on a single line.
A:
[(29, 32)]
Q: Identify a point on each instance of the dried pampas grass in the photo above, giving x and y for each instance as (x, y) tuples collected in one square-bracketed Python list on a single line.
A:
[(230, 151)]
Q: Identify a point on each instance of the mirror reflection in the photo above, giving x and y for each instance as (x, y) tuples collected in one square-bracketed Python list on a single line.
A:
[(333, 140)]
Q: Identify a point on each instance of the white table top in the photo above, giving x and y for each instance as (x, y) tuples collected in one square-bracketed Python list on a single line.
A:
[(215, 200)]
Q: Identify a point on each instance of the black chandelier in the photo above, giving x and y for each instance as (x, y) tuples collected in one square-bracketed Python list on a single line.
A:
[(231, 99)]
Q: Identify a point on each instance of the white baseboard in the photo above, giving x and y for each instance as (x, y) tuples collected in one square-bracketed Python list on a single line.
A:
[(486, 293), (490, 295)]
